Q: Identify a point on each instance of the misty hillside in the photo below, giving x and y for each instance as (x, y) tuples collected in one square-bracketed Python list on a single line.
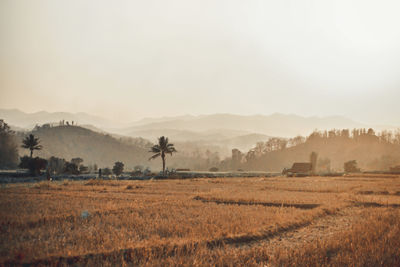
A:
[(73, 141), (162, 119), (104, 150), (188, 135), (196, 134), (188, 127), (372, 152), (273, 125), (220, 140), (244, 142)]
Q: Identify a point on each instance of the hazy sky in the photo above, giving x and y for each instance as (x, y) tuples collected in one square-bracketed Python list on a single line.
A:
[(130, 59)]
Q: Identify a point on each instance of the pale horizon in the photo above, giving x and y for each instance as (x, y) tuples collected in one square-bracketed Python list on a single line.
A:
[(122, 122), (129, 60)]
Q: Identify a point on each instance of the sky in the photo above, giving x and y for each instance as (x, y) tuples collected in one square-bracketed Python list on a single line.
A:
[(126, 60)]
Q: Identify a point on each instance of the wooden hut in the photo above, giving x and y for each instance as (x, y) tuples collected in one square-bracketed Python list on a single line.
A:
[(300, 169)]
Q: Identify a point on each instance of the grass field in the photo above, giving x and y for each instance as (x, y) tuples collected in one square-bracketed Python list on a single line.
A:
[(335, 221)]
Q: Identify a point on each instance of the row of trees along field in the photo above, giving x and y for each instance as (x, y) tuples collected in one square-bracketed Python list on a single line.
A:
[(372, 151)]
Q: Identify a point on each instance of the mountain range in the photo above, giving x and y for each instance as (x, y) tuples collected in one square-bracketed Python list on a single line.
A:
[(281, 125), (200, 140), (224, 130), (276, 124)]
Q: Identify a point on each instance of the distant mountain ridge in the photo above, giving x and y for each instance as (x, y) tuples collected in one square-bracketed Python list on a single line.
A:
[(148, 120), (189, 127), (200, 140), (273, 125)]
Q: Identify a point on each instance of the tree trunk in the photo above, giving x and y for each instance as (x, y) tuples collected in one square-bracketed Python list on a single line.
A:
[(163, 163), (31, 152)]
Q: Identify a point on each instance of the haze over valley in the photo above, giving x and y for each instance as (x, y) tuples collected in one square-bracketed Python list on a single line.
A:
[(203, 141), (199, 133)]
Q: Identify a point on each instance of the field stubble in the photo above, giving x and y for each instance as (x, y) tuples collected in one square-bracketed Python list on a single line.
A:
[(251, 221)]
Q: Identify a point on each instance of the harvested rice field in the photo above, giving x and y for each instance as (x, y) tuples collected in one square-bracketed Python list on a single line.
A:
[(325, 221)]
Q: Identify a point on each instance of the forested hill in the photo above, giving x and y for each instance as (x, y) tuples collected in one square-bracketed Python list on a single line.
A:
[(371, 151), (72, 141)]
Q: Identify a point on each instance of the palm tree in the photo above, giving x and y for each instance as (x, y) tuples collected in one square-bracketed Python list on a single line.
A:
[(32, 143), (162, 148)]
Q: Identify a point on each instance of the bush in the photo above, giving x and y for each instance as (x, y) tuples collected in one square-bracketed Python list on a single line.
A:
[(24, 162), (34, 165), (138, 168), (147, 172), (83, 169), (77, 161), (106, 171), (71, 168), (136, 174), (118, 168), (213, 169), (56, 165), (351, 166)]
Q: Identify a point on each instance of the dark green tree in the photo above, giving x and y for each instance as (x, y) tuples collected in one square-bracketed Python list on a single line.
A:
[(161, 149), (71, 168), (118, 168), (56, 165), (35, 165), (8, 147), (32, 143), (77, 161)]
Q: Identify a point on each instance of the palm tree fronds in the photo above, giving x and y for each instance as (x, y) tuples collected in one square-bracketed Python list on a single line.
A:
[(155, 149), (171, 150), (162, 148), (155, 156), (32, 143)]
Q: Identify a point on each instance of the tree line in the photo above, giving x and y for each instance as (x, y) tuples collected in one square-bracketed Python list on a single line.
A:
[(334, 148)]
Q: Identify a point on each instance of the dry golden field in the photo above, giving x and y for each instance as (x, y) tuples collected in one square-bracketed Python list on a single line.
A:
[(334, 221)]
